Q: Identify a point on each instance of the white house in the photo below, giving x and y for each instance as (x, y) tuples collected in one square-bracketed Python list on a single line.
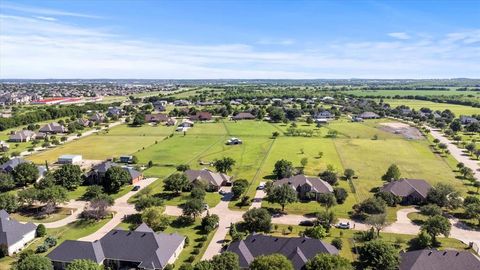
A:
[(69, 159), (13, 234)]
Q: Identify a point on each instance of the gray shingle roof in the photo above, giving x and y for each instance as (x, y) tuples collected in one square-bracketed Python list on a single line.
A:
[(431, 259), (11, 164), (72, 250), (12, 231), (53, 128), (297, 249), (317, 184), (213, 178), (406, 187)]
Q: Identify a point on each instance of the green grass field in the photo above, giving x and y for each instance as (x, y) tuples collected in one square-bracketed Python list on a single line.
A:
[(418, 104)]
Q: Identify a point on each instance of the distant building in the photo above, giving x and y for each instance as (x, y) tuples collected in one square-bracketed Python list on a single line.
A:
[(369, 115), (126, 159), (305, 186), (243, 116), (10, 165), (156, 118), (98, 172), (213, 180), (411, 191), (201, 116), (25, 136), (122, 249), (97, 118), (465, 120), (297, 249), (13, 234), (69, 159), (431, 259), (53, 128)]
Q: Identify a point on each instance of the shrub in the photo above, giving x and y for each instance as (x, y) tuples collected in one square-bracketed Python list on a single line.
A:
[(191, 259), (3, 250), (50, 241), (41, 230), (338, 243), (431, 210), (196, 251), (340, 194), (41, 249)]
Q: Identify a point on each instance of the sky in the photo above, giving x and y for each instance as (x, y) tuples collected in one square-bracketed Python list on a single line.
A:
[(239, 39)]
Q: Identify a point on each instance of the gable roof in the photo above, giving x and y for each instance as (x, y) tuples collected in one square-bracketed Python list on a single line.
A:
[(317, 185), (213, 178), (12, 231), (431, 259), (406, 187), (159, 117), (369, 115), (243, 115), (144, 246), (297, 249), (53, 127), (22, 135), (104, 166), (201, 116), (12, 164)]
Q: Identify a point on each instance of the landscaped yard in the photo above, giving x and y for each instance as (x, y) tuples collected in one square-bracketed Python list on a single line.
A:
[(31, 215), (418, 104)]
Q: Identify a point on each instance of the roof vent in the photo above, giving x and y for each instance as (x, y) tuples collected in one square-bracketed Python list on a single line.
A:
[(115, 232), (429, 253), (276, 239), (444, 253), (129, 233), (458, 253), (303, 241), (143, 235), (253, 240)]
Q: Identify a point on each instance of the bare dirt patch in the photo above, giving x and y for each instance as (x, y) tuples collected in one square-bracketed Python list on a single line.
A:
[(403, 129)]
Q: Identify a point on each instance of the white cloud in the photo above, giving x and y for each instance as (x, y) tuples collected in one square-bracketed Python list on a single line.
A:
[(51, 19), (44, 11), (282, 42), (38, 48), (399, 35)]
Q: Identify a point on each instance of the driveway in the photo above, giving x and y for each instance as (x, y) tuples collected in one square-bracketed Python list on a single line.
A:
[(78, 207), (457, 152)]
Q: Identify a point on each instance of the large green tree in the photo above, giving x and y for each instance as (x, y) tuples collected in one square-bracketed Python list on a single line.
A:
[(33, 262), (437, 225), (239, 187), (84, 264), (155, 218), (283, 169), (392, 174), (444, 195), (193, 208), (25, 173), (9, 202), (378, 255), (225, 261), (271, 262), (257, 220), (176, 182), (115, 178), (224, 164), (68, 176), (324, 261), (282, 194)]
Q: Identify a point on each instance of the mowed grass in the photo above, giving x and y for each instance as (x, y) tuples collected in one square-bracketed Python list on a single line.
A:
[(418, 104), (119, 140)]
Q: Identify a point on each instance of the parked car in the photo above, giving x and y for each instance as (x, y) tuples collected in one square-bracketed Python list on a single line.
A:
[(205, 206), (261, 186), (135, 188), (234, 141), (306, 223), (343, 225)]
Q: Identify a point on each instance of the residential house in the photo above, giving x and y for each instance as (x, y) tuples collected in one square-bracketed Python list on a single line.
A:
[(114, 111), (412, 191), (23, 136), (69, 159), (97, 173), (465, 120), (297, 249), (324, 115), (186, 123), (156, 118), (13, 234), (181, 102), (53, 128), (213, 180), (126, 159), (97, 118), (10, 165), (305, 186), (201, 116), (171, 122), (432, 259), (122, 249), (369, 115), (243, 116), (83, 122)]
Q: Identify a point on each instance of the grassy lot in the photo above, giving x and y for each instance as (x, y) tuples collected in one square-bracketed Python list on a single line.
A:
[(30, 215), (402, 93), (418, 104)]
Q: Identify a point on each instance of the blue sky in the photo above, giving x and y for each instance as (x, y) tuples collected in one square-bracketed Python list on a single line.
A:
[(239, 39)]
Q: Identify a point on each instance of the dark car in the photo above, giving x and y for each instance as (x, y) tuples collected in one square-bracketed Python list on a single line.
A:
[(306, 223), (135, 188)]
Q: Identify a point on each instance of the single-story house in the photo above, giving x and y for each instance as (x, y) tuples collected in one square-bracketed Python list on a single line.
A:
[(171, 122), (369, 115), (97, 117), (25, 136), (213, 180), (432, 259), (122, 249), (181, 102), (69, 159), (201, 116), (186, 123), (411, 191), (465, 120), (324, 115), (13, 234), (156, 118), (53, 128), (297, 249), (10, 165), (97, 173), (306, 187), (83, 122), (114, 111), (126, 159), (243, 116)]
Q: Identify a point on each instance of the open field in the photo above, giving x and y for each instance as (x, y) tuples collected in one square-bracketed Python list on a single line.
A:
[(418, 104), (383, 92)]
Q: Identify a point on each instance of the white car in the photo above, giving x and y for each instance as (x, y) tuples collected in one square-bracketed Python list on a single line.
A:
[(343, 225)]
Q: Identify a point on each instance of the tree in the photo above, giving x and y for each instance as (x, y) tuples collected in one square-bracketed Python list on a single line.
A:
[(41, 230), (145, 201), (430, 210), (98, 208), (377, 254), (9, 202), (84, 264), (210, 222), (327, 200), (203, 265), (283, 169), (257, 220), (329, 176), (471, 147), (6, 182), (370, 206), (378, 222), (93, 192), (51, 197), (198, 193), (473, 211), (456, 126), (325, 261), (466, 172), (176, 182), (139, 119), (275, 134), (183, 167), (392, 174), (340, 195), (391, 199), (68, 176), (283, 195), (155, 218), (115, 178), (31, 262), (225, 261), (193, 208), (437, 225), (271, 262), (25, 173), (304, 162), (444, 195), (239, 187), (224, 165), (349, 174), (326, 219), (276, 114), (317, 232)]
